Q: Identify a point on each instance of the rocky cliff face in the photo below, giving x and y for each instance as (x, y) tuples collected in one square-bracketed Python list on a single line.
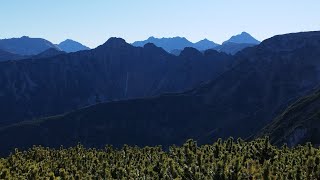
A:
[(113, 71)]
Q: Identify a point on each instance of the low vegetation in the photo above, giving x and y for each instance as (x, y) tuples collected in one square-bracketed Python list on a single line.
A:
[(229, 159)]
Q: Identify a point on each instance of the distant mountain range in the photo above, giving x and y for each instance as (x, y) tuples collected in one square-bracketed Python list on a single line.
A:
[(115, 70), (25, 47), (177, 44), (170, 44), (6, 56), (72, 46), (242, 94)]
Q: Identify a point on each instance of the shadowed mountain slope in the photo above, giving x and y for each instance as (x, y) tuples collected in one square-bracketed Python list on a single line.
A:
[(298, 124), (113, 71), (239, 102), (5, 56)]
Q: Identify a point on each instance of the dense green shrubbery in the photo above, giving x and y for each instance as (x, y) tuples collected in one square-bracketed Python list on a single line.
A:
[(223, 160)]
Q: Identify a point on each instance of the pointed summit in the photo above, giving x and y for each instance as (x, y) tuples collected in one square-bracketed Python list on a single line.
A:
[(243, 38), (115, 42), (205, 44)]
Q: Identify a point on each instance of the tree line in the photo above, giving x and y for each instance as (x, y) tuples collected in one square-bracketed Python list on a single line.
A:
[(228, 159)]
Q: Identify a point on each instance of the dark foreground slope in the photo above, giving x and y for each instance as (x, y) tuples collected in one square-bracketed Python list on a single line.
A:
[(237, 103), (115, 70), (164, 120), (298, 124)]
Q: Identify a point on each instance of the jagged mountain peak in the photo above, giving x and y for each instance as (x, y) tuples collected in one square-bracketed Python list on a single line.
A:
[(242, 38)]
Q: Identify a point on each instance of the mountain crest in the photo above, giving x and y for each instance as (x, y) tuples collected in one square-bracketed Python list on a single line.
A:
[(26, 45), (115, 42), (243, 38), (190, 52), (70, 45)]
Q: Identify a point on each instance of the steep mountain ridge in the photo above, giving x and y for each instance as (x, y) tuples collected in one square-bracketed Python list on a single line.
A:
[(238, 102), (113, 71), (176, 44)]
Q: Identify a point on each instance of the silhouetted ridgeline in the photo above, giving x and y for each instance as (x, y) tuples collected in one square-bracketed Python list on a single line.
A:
[(238, 103), (175, 45), (72, 46), (26, 46), (113, 71)]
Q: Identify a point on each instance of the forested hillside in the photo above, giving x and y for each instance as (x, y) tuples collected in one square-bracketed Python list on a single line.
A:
[(230, 159)]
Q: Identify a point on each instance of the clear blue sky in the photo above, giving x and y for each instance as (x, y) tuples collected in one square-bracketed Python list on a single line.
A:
[(92, 22)]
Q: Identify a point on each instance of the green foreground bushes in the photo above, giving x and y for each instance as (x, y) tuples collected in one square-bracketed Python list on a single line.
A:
[(222, 160)]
